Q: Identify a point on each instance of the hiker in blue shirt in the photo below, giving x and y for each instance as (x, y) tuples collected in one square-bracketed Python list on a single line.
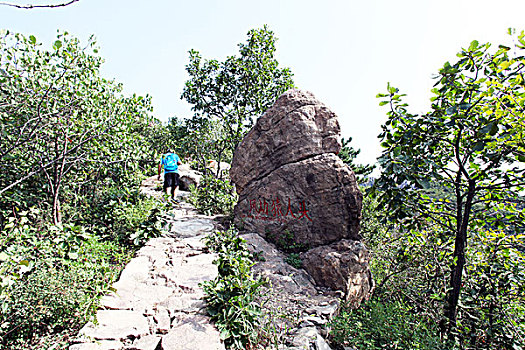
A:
[(170, 161)]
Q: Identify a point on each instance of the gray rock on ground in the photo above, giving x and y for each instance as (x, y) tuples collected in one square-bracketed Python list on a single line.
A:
[(188, 177), (344, 263), (294, 304)]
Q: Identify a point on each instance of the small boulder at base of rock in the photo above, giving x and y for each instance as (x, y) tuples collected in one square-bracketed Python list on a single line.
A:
[(341, 266)]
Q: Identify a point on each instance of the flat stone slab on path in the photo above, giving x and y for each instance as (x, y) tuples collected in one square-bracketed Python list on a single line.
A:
[(193, 227), (117, 324)]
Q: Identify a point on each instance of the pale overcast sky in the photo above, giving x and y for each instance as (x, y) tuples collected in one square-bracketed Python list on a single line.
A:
[(344, 52)]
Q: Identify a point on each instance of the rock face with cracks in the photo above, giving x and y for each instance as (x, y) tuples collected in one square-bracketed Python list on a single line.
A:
[(296, 192)]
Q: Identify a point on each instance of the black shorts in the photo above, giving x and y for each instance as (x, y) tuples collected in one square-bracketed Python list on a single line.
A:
[(171, 180)]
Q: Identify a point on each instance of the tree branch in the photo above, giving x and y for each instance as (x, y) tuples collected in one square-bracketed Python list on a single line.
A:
[(29, 6)]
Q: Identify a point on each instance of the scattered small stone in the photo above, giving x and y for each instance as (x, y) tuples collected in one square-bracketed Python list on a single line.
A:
[(321, 344), (305, 323), (148, 342), (318, 321), (163, 320), (328, 310), (99, 345), (303, 337)]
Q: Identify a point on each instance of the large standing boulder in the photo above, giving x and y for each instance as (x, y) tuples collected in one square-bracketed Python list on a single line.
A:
[(297, 127), (296, 192)]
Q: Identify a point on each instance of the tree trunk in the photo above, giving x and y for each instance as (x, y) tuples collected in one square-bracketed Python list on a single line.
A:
[(57, 215), (459, 258)]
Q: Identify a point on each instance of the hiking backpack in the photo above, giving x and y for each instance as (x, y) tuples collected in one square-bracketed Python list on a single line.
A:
[(170, 162)]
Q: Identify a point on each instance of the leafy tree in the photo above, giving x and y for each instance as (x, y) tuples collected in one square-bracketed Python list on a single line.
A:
[(71, 151), (227, 96), (62, 123), (471, 143)]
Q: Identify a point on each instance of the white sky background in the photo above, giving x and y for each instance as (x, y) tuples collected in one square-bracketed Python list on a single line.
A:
[(344, 52)]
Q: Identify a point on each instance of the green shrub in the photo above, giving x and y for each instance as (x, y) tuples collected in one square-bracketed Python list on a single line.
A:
[(295, 260), (213, 196), (285, 241), (412, 266), (231, 295), (384, 325), (58, 291), (125, 216), (492, 310), (51, 278)]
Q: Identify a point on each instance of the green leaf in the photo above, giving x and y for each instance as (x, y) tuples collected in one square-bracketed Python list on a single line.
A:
[(521, 158), (473, 45), (57, 45), (451, 110), (479, 146), (24, 262), (504, 65), (382, 103), (424, 183), (32, 39), (494, 129), (225, 334), (486, 128)]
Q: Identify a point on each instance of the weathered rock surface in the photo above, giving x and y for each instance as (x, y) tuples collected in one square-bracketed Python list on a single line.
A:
[(341, 266), (116, 325), (188, 177), (316, 200), (193, 333), (297, 127), (296, 192), (293, 302)]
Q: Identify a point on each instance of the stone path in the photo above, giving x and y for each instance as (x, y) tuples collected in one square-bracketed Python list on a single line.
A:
[(157, 303)]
